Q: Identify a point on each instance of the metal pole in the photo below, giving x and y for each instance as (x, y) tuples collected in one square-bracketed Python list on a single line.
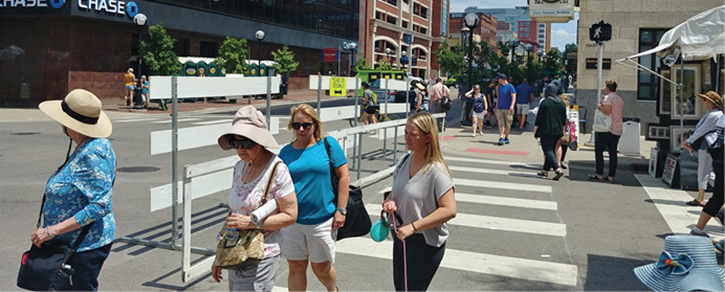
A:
[(385, 130), (338, 61), (470, 59), (269, 100), (395, 145), (682, 95), (600, 56), (355, 111), (259, 61), (319, 93), (137, 99), (174, 160), (359, 154)]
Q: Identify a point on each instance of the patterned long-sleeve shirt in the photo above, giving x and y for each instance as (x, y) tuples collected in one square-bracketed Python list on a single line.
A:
[(83, 189)]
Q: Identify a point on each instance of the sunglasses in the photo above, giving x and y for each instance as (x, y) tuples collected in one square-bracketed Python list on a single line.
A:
[(245, 143), (306, 126)]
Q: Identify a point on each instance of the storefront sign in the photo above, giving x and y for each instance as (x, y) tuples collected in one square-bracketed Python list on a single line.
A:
[(606, 63), (31, 3), (110, 6), (560, 11), (330, 55)]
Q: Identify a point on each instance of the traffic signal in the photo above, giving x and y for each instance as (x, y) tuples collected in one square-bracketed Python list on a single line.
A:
[(600, 32)]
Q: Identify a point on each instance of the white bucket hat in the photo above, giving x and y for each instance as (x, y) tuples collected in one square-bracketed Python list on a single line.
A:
[(81, 111), (248, 122)]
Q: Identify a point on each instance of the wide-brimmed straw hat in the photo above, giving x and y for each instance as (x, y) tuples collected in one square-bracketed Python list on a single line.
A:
[(248, 122), (81, 111), (420, 86), (688, 263), (713, 97)]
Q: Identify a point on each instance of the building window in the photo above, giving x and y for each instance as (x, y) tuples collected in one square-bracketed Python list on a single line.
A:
[(646, 86), (526, 28), (405, 24), (423, 30), (392, 20), (208, 49), (181, 47), (424, 12), (379, 15)]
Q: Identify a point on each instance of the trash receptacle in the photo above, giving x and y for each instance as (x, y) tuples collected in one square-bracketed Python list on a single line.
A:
[(629, 142)]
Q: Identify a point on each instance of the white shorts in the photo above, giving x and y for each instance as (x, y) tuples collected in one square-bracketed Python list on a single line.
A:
[(255, 275), (314, 242), (479, 116), (523, 109)]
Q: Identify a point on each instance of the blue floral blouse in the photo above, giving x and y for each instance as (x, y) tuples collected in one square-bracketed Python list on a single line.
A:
[(83, 189)]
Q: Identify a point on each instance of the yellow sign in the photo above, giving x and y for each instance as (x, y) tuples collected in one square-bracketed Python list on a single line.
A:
[(337, 86)]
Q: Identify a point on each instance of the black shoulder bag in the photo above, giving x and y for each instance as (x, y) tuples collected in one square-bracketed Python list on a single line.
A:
[(357, 220), (45, 268)]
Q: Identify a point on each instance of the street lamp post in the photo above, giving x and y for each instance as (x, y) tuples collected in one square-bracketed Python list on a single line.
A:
[(529, 48), (388, 51), (471, 21), (260, 36), (402, 54), (352, 47), (140, 20)]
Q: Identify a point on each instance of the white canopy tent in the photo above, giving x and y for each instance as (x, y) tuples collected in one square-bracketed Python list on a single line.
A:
[(700, 38)]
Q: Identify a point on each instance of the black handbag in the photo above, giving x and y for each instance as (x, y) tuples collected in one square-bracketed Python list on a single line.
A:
[(46, 268), (357, 220)]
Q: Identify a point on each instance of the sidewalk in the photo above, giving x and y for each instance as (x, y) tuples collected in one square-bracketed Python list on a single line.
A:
[(116, 110)]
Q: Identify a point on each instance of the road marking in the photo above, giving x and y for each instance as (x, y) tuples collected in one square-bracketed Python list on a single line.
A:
[(496, 151), (179, 121), (495, 223), (502, 185), (679, 217), (134, 120), (505, 201), (530, 270), (492, 171), (489, 161), (214, 122)]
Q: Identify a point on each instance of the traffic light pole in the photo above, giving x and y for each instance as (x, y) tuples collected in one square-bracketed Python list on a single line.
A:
[(600, 57)]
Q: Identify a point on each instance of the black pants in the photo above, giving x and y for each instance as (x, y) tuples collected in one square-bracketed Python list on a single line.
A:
[(423, 262), (564, 149), (716, 201), (548, 145), (466, 116), (609, 141), (87, 266)]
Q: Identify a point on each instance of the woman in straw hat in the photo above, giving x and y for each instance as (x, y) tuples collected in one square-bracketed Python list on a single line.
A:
[(707, 134), (79, 194), (249, 137), (423, 195), (422, 99), (312, 237), (712, 103)]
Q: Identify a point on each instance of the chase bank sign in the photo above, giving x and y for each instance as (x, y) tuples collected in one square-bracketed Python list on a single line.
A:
[(116, 7)]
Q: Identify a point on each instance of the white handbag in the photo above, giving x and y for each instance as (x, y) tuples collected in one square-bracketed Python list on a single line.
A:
[(602, 122)]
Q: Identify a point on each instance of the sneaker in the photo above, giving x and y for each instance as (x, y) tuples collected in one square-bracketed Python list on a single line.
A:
[(480, 133), (500, 141), (506, 141), (696, 231), (719, 216), (558, 175)]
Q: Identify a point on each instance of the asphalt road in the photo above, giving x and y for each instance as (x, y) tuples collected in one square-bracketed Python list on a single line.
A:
[(514, 231)]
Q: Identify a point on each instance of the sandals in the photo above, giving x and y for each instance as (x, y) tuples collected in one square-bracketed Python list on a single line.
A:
[(600, 179), (694, 203), (543, 174), (558, 175)]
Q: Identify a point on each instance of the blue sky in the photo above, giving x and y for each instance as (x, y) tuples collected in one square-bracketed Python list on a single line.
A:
[(561, 33)]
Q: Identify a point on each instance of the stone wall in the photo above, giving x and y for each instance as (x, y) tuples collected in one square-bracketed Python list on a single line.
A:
[(627, 17), (108, 86)]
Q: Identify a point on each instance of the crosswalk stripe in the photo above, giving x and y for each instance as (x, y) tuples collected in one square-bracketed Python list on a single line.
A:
[(494, 223), (506, 201), (491, 171), (214, 122), (677, 216), (179, 120), (531, 270), (487, 161), (135, 120), (502, 185)]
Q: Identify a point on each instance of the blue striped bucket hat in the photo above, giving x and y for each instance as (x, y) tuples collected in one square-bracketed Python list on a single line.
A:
[(688, 263)]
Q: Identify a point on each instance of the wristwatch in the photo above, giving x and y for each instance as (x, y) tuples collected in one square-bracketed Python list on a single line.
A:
[(342, 211)]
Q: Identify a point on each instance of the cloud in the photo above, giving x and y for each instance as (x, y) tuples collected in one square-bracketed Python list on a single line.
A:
[(562, 34), (460, 5)]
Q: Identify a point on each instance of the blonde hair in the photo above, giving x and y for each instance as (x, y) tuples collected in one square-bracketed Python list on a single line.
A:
[(307, 110), (428, 125), (565, 98)]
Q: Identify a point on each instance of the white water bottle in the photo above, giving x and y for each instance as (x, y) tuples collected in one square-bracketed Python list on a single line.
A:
[(232, 234)]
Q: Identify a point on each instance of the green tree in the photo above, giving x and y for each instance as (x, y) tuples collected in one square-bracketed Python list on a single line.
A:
[(571, 54), (233, 55), (158, 52), (385, 65), (285, 61), (553, 63), (452, 62)]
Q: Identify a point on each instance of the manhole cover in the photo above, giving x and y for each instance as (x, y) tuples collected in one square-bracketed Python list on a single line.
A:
[(25, 133), (138, 169)]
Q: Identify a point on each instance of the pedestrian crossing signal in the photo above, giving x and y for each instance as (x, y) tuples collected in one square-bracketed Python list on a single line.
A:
[(600, 32)]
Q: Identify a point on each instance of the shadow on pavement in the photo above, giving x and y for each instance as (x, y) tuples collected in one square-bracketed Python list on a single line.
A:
[(613, 273)]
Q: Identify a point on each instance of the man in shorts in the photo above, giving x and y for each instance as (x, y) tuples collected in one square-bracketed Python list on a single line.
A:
[(525, 98), (506, 103)]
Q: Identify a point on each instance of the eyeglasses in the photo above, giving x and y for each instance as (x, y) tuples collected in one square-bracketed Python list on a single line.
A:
[(245, 143), (306, 126)]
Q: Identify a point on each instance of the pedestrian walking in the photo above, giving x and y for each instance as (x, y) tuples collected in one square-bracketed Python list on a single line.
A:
[(78, 196), (505, 114), (712, 103), (479, 107), (562, 146), (466, 108), (611, 105), (422, 101), (491, 100), (423, 196), (312, 238), (145, 91), (129, 80), (549, 127), (525, 97), (438, 92), (249, 137), (370, 105)]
